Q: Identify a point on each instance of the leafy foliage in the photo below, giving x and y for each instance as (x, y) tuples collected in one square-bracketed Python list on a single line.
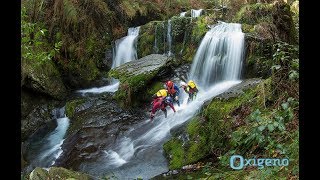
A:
[(34, 45)]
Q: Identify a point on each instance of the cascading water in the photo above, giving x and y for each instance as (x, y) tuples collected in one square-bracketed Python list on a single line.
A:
[(169, 38), (139, 153), (43, 152), (125, 50), (219, 56), (196, 13), (183, 14)]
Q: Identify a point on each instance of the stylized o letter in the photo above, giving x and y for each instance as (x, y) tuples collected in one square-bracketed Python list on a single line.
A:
[(232, 162)]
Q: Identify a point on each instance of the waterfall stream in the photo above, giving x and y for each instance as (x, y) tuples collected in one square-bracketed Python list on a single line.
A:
[(45, 151), (125, 50)]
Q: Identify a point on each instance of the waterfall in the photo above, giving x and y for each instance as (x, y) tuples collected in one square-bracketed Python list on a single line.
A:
[(183, 14), (44, 152), (196, 13), (125, 50), (220, 51), (219, 56), (169, 38)]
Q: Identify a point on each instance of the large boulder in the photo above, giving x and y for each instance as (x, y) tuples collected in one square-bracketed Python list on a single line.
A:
[(43, 78), (95, 125), (135, 76)]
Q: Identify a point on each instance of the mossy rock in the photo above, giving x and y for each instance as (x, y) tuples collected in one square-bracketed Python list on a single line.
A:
[(247, 28), (42, 77), (271, 21), (199, 29), (72, 106), (57, 173), (145, 45), (134, 76)]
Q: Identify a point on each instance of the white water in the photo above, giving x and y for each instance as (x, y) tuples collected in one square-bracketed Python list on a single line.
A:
[(125, 51), (183, 14), (196, 13), (126, 48), (132, 153), (169, 38), (98, 90), (219, 56), (49, 148)]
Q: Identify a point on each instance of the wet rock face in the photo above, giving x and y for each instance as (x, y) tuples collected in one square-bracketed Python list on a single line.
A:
[(180, 73), (94, 129), (36, 112)]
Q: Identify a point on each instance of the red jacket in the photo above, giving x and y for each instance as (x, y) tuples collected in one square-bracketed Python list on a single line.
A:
[(159, 104)]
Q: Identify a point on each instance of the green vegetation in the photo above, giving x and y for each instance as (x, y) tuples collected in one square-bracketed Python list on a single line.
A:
[(72, 105)]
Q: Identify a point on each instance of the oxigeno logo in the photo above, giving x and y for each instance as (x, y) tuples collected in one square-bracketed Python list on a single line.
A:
[(238, 162)]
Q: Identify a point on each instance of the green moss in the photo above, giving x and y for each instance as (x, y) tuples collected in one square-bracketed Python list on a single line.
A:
[(199, 30), (174, 146), (131, 85), (71, 106), (146, 39), (189, 53), (59, 172), (179, 25), (254, 13), (193, 126), (155, 87), (219, 109), (247, 28)]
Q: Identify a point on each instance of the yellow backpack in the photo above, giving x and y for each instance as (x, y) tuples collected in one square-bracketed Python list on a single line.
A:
[(162, 92), (192, 84)]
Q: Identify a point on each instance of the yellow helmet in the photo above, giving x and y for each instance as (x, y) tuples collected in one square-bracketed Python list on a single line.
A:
[(162, 92), (192, 84)]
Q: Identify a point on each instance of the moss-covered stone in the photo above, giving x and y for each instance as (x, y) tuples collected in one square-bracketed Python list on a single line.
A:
[(57, 173), (71, 106), (247, 28), (136, 75), (199, 30), (146, 37), (42, 77), (271, 21), (177, 154)]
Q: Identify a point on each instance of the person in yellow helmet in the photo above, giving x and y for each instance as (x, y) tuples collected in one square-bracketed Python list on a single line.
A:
[(160, 93), (191, 89)]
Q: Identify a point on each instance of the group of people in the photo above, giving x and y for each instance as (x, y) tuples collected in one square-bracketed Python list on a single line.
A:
[(170, 94)]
